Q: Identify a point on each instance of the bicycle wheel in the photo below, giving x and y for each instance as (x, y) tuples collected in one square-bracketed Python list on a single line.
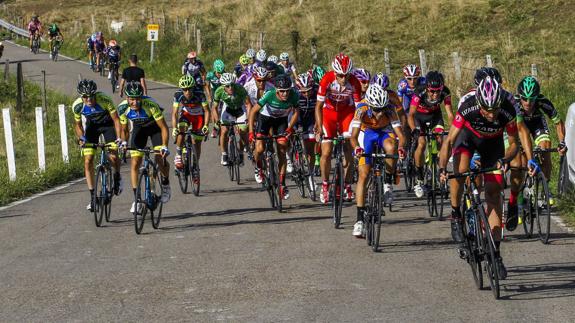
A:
[(194, 171), (377, 215), (435, 190), (471, 244), (308, 178), (140, 208), (184, 173), (237, 168), (443, 194), (488, 248), (298, 174), (156, 197), (110, 194), (562, 181), (231, 157), (529, 210), (542, 209), (337, 194), (408, 174), (369, 210), (276, 184), (99, 197), (268, 182)]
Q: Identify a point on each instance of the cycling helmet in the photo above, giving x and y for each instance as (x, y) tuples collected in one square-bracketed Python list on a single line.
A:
[(192, 54), (87, 87), (317, 73), (273, 59), (271, 66), (304, 82), (434, 80), (219, 66), (361, 74), (133, 89), (53, 27), (376, 97), (381, 80), (284, 56), (227, 79), (99, 35), (489, 94), (261, 55), (481, 73), (186, 82), (34, 17), (244, 59), (283, 82), (93, 37), (260, 73), (411, 70), (342, 64), (528, 88), (112, 43), (250, 53)]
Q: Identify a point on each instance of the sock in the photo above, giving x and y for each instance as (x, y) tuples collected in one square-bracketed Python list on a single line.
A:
[(513, 198), (283, 179), (91, 194), (360, 211), (165, 181), (456, 212), (420, 173), (134, 193)]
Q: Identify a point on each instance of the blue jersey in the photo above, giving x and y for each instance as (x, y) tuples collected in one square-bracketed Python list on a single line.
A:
[(406, 93)]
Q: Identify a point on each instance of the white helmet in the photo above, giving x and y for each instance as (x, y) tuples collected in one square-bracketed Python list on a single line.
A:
[(261, 55), (284, 56), (227, 79), (260, 73), (250, 53), (376, 97), (273, 59)]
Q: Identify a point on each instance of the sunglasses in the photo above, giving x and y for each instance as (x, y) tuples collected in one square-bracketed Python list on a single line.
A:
[(87, 97), (187, 89), (341, 75), (434, 90), (228, 86), (283, 91), (304, 90), (364, 82), (530, 100), (411, 78), (260, 80)]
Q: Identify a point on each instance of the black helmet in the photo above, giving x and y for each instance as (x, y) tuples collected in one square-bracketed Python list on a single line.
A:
[(87, 87), (271, 66), (134, 89), (481, 73), (434, 80), (283, 82)]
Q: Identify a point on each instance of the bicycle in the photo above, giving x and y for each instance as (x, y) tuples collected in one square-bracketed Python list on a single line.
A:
[(536, 204), (103, 185), (149, 191), (271, 180), (434, 187), (375, 210), (101, 65), (56, 44), (36, 43), (114, 66), (478, 248), (337, 181), (234, 152), (406, 167), (191, 168), (302, 173)]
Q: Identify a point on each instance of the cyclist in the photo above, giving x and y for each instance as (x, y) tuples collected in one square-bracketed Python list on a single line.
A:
[(273, 69), (338, 94), (363, 76), (213, 79), (188, 112), (287, 66), (272, 112), (251, 54), (372, 116), (235, 106), (34, 29), (273, 58), (148, 122), (101, 119), (409, 84), (482, 116), (99, 46), (425, 107), (114, 54), (261, 56), (90, 48), (194, 67), (242, 65), (54, 34), (259, 84), (534, 106), (306, 121), (317, 72)]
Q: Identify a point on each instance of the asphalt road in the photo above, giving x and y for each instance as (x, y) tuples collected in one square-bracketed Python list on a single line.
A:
[(225, 256)]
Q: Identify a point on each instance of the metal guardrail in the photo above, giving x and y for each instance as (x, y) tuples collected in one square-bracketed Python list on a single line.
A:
[(17, 30)]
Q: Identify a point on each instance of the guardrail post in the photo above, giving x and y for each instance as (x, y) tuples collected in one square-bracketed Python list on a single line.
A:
[(63, 132), (44, 98), (198, 41), (457, 65), (40, 139), (9, 144), (19, 87)]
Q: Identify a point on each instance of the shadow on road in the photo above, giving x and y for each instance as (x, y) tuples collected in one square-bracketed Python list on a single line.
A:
[(541, 281), (417, 245)]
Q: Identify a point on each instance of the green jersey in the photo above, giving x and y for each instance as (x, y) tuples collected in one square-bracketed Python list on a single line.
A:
[(273, 107), (214, 80), (233, 102)]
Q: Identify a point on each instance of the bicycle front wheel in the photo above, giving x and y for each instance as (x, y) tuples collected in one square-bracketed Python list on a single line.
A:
[(194, 171), (337, 194), (184, 173), (99, 197), (109, 193), (472, 237), (529, 212), (542, 208), (231, 158), (488, 248), (377, 215), (140, 207), (156, 197)]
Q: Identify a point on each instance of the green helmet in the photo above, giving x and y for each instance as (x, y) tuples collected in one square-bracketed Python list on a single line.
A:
[(528, 88), (134, 89), (186, 82), (317, 73), (219, 66), (244, 59), (53, 27)]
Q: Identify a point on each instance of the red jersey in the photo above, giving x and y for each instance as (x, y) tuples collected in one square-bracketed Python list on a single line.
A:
[(337, 97)]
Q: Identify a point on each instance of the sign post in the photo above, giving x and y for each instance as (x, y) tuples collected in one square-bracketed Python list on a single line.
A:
[(153, 32)]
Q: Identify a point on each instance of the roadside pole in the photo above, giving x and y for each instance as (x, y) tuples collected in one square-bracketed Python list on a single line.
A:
[(152, 37)]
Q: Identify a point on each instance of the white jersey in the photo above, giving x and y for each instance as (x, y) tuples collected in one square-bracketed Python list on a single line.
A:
[(252, 89)]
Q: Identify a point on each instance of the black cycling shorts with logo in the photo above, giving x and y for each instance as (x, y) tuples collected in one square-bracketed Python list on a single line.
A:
[(141, 134), (94, 130), (434, 120), (278, 126), (490, 149)]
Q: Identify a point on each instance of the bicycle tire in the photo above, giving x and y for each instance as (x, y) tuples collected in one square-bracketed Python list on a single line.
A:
[(370, 210), (472, 243), (408, 174), (488, 246), (237, 169), (231, 157), (529, 212), (194, 170), (99, 197), (298, 173), (308, 178), (140, 215), (268, 183), (184, 173), (543, 209), (276, 184), (110, 193), (377, 216), (155, 186), (563, 177), (337, 194)]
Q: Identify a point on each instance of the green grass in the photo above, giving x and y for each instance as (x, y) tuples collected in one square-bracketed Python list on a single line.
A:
[(29, 179)]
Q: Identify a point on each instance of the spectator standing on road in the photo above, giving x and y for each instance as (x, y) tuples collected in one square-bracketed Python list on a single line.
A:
[(133, 73)]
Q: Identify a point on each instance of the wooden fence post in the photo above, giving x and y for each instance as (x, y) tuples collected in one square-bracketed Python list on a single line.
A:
[(6, 69), (488, 61), (534, 70), (386, 60), (221, 42), (19, 87), (40, 139), (63, 132), (9, 144), (44, 96), (198, 41), (423, 61), (295, 43), (93, 24), (457, 66), (314, 50), (261, 40), (187, 30)]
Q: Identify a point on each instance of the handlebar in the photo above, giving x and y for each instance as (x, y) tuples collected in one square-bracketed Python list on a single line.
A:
[(473, 173), (379, 155)]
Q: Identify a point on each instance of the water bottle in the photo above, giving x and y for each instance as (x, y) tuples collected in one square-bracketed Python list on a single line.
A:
[(470, 219)]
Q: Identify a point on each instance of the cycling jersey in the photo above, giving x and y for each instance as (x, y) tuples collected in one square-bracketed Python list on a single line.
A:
[(306, 119), (194, 70), (273, 107), (192, 106), (213, 79), (252, 89), (421, 101), (113, 53), (100, 45), (536, 122), (406, 93), (53, 33), (245, 77), (337, 97), (365, 118), (289, 69), (99, 113), (149, 112), (232, 103), (34, 26)]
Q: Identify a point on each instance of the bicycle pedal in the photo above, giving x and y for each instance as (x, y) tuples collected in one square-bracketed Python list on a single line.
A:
[(463, 253)]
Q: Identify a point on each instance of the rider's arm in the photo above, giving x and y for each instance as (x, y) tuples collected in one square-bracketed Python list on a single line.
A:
[(144, 86), (252, 116), (78, 129), (525, 138), (411, 116), (448, 109), (117, 125), (560, 127), (354, 135), (318, 116), (164, 128), (446, 147), (512, 139), (397, 129), (207, 116), (294, 117), (248, 103), (175, 111)]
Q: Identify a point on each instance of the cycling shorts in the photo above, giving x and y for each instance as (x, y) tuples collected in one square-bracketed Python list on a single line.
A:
[(539, 130), (235, 116), (339, 122), (194, 122), (306, 122), (275, 125), (93, 132), (435, 121), (140, 135), (490, 150), (371, 138)]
